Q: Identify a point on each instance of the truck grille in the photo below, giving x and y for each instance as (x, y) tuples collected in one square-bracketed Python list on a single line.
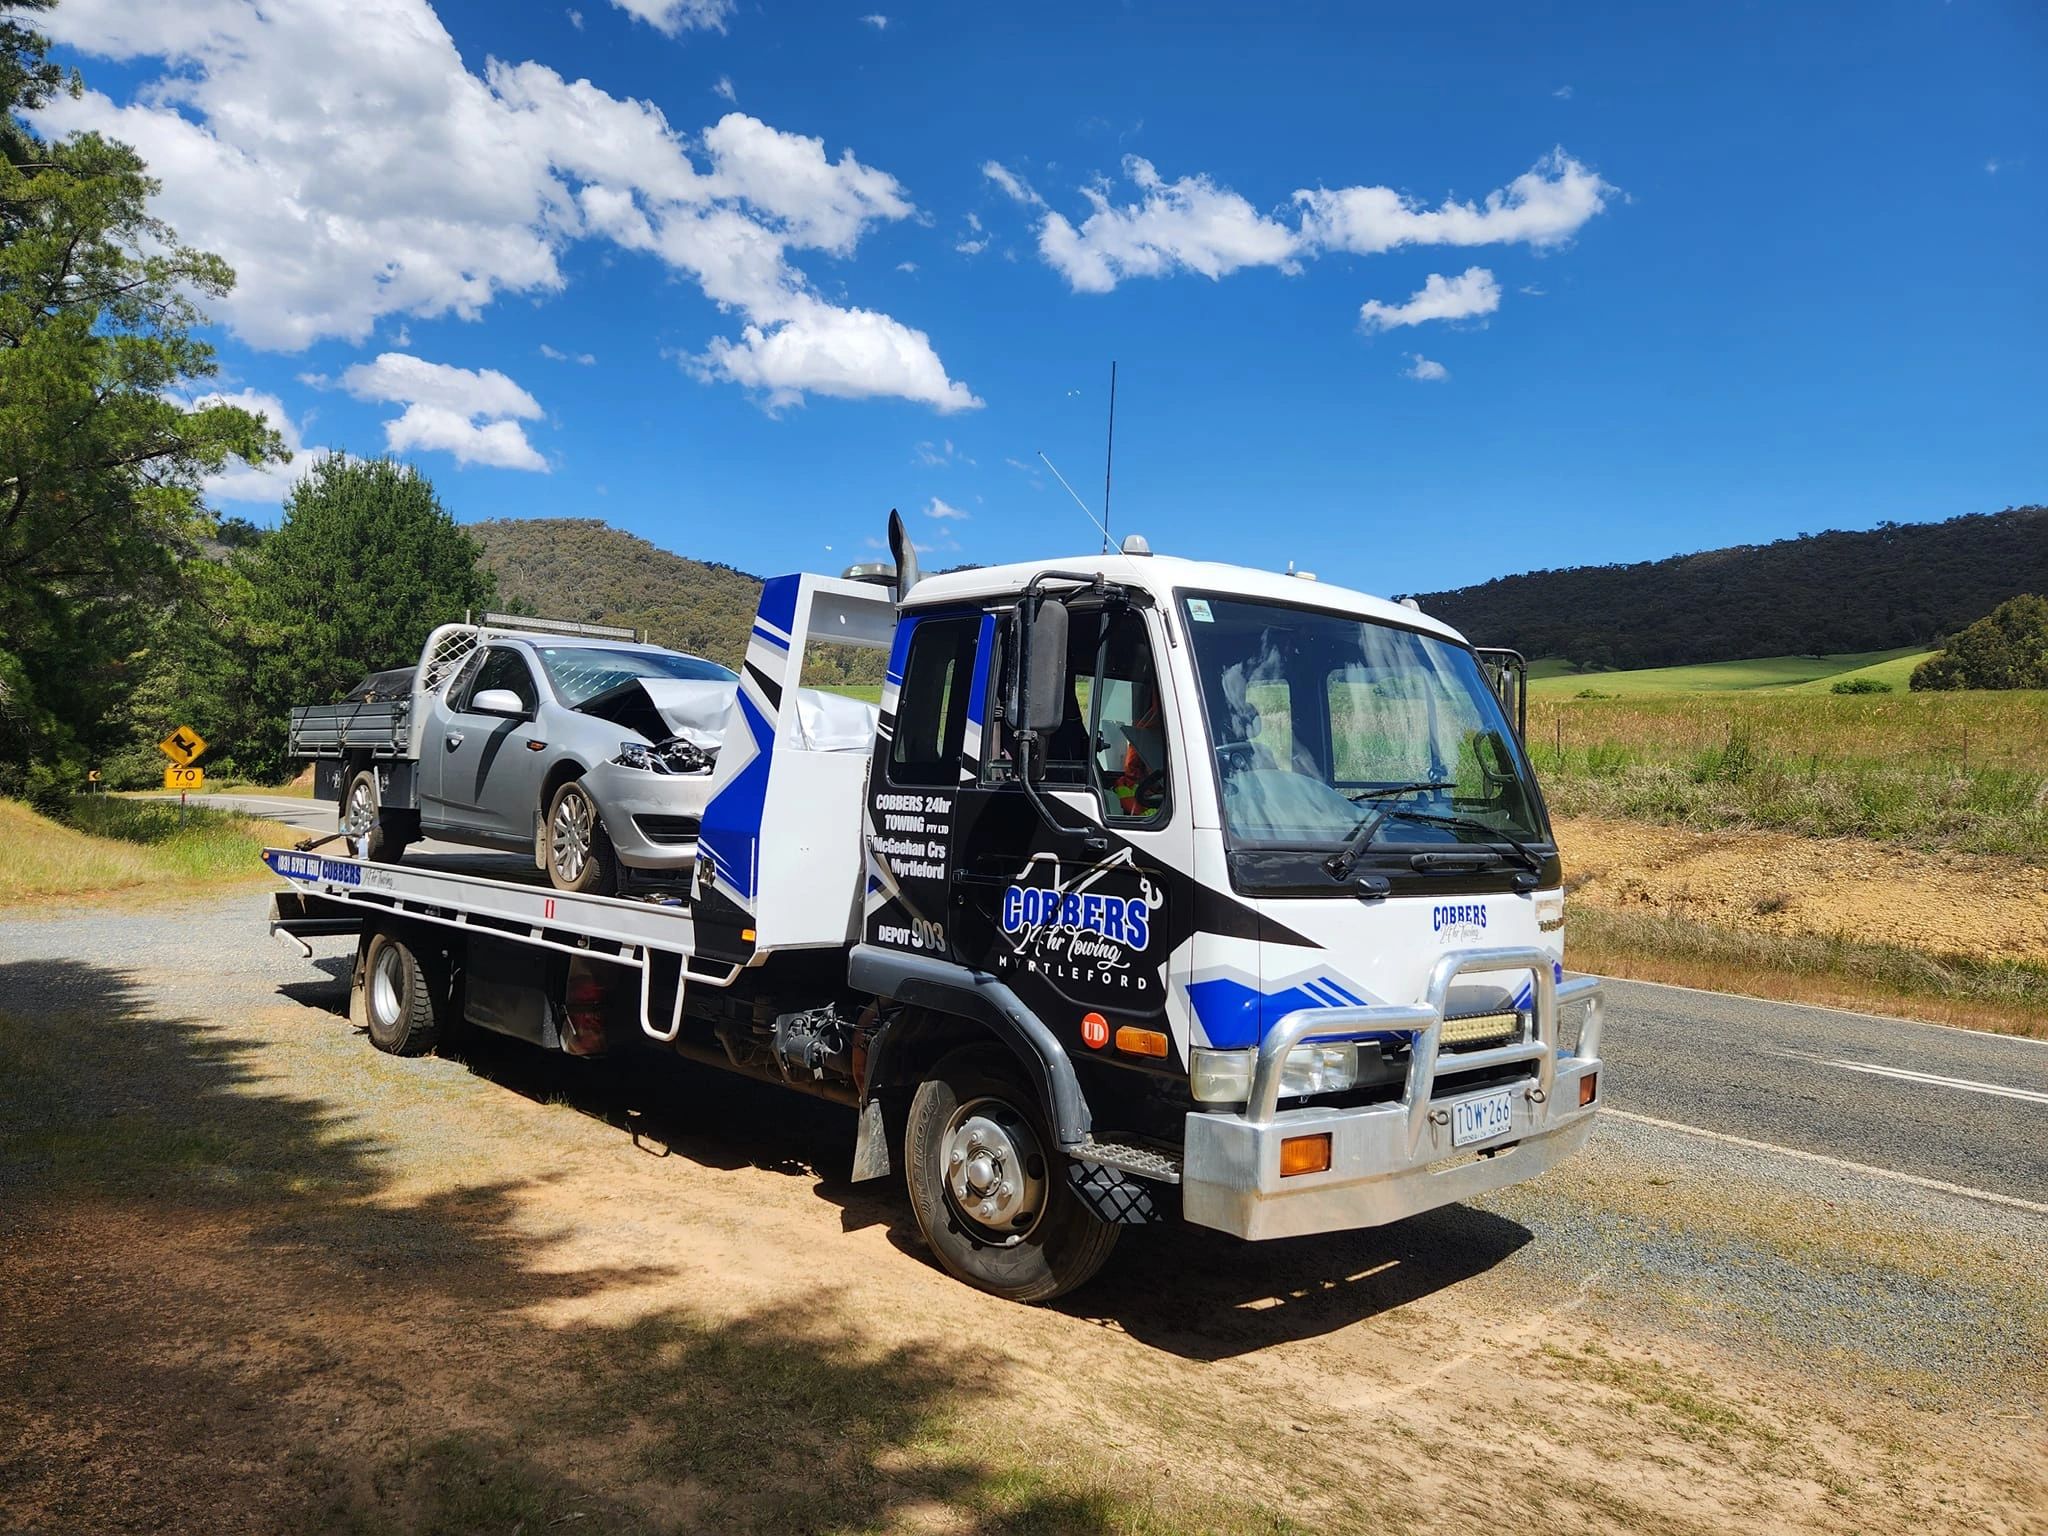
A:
[(667, 829)]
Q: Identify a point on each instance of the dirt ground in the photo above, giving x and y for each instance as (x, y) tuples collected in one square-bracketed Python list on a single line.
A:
[(1945, 904), (256, 1277)]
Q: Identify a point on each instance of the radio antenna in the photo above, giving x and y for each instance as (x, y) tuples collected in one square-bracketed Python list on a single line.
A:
[(1109, 458), (1077, 499)]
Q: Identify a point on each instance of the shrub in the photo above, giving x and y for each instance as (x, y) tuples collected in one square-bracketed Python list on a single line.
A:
[(2007, 648), (1861, 685)]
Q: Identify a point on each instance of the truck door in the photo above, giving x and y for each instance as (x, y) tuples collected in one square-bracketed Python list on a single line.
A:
[(466, 780), (1075, 918)]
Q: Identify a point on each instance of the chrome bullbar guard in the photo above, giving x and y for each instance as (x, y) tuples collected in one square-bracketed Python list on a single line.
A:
[(1392, 1160)]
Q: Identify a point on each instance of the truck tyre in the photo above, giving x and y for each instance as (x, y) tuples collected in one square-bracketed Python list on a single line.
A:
[(580, 856), (989, 1186), (362, 817), (401, 1001)]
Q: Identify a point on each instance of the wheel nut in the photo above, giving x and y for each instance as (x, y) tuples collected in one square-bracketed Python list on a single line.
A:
[(959, 1157), (988, 1207)]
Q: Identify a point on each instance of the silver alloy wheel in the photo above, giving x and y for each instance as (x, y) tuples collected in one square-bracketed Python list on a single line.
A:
[(361, 816), (995, 1171), (387, 986), (571, 832)]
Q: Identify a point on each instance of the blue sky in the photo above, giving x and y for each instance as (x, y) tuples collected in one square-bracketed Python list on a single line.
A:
[(1746, 272)]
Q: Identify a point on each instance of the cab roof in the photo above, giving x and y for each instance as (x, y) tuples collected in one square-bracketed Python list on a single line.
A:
[(1168, 576)]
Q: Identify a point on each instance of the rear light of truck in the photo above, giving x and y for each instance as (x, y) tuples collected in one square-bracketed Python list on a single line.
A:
[(1305, 1154), (583, 1015), (1588, 1088)]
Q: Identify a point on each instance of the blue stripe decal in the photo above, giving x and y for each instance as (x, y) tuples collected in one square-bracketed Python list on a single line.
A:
[(775, 640), (732, 821), (778, 601), (1234, 1015), (985, 652)]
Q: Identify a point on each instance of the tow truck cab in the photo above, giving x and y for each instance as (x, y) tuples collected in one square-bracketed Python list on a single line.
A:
[(1248, 873)]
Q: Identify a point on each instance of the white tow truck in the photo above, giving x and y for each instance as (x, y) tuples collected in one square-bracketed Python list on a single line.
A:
[(1165, 890)]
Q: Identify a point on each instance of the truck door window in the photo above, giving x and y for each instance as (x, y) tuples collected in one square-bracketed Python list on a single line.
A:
[(931, 706), (1127, 723), (504, 667)]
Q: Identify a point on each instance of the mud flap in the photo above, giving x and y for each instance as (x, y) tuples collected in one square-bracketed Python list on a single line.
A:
[(871, 1144)]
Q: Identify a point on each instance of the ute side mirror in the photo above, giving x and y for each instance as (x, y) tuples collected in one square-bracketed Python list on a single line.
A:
[(498, 701)]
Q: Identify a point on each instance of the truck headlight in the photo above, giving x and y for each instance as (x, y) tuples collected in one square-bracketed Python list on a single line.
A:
[(1220, 1077), (1320, 1066)]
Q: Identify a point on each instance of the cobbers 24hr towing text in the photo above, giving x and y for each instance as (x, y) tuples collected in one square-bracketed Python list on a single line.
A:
[(1160, 891)]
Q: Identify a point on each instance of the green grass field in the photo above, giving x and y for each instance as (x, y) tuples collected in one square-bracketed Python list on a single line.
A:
[(1552, 678)]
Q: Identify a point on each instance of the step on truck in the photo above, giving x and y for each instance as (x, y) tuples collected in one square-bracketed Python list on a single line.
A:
[(1165, 890)]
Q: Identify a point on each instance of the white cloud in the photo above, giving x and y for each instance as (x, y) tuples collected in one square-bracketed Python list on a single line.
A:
[(945, 512), (971, 247), (557, 355), (1190, 224), (1427, 369), (1545, 205), (723, 87), (1990, 167), (350, 167), (821, 349), (676, 17), (463, 411), (879, 22), (1563, 93), (576, 20), (265, 483), (1471, 293), (906, 266), (1013, 184), (1195, 225)]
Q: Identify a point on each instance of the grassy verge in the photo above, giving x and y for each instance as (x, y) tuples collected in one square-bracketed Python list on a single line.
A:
[(2002, 997), (1960, 770), (106, 843)]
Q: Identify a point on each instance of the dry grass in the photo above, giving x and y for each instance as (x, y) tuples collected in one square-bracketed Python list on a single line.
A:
[(2005, 999), (1936, 770), (127, 845)]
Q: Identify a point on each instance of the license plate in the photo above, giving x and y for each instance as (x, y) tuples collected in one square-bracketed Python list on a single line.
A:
[(1476, 1119)]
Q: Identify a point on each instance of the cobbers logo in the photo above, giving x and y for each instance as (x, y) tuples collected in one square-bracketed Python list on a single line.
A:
[(1119, 920), (1459, 915)]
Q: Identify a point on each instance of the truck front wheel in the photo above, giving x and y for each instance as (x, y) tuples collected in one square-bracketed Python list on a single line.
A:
[(988, 1186)]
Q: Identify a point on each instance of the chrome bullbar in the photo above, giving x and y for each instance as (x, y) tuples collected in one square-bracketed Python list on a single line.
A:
[(1393, 1160)]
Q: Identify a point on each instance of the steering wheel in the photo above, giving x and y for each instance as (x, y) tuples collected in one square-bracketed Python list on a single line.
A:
[(1151, 790)]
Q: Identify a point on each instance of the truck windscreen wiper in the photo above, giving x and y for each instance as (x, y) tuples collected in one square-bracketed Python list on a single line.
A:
[(1395, 791), (1528, 855), (1339, 863)]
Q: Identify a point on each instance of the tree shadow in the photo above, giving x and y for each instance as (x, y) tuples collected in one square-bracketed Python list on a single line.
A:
[(220, 1310)]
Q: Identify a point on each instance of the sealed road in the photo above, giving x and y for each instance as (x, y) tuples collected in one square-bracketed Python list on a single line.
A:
[(1954, 1105)]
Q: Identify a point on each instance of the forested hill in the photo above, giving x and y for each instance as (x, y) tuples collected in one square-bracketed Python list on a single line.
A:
[(1898, 584), (579, 568)]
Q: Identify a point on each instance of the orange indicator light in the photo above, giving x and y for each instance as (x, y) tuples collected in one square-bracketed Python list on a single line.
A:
[(1305, 1154), (1141, 1042), (1588, 1087)]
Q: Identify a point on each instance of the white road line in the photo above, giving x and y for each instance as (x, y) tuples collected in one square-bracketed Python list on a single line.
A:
[(1866, 1169), (1851, 1013), (2030, 1095)]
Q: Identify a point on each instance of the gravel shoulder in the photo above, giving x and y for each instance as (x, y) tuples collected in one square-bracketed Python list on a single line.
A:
[(254, 1276)]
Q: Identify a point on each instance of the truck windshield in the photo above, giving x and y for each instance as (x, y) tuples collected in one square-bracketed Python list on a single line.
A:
[(581, 672), (1322, 721)]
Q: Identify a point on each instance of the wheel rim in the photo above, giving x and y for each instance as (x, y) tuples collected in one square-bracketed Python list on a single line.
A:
[(994, 1171), (362, 808), (387, 987), (570, 834)]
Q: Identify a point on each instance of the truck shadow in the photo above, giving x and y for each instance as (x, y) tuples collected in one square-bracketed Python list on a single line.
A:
[(1185, 1290), (248, 1271)]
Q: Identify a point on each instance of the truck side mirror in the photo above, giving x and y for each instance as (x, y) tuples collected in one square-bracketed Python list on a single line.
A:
[(1042, 670)]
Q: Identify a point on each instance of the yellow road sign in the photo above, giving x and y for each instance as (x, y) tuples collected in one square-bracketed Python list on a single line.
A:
[(93, 777), (184, 778), (182, 745)]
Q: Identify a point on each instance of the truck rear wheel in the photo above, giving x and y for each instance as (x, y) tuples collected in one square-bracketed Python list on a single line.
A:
[(988, 1186), (401, 1002)]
